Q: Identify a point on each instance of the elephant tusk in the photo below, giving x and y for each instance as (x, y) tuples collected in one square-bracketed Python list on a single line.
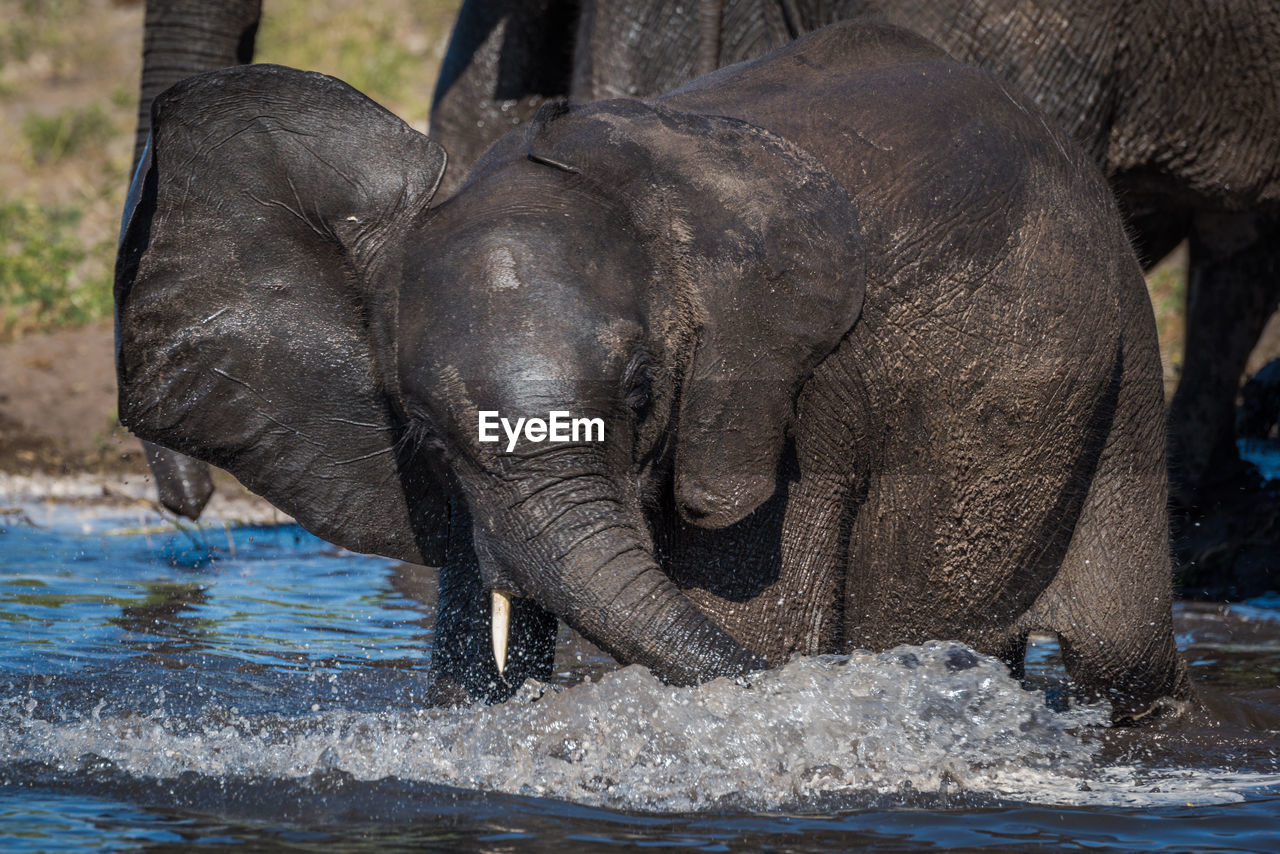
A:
[(501, 624)]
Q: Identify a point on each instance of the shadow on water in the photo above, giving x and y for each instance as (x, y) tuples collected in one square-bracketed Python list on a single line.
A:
[(395, 816), (165, 690), (1228, 549), (328, 813)]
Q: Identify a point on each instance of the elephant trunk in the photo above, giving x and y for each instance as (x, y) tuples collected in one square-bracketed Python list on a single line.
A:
[(710, 16), (186, 37), (629, 607), (592, 564)]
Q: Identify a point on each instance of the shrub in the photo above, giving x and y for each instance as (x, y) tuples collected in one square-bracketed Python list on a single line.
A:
[(41, 281)]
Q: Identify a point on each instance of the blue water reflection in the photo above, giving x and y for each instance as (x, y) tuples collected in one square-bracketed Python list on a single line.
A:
[(261, 615), (107, 616)]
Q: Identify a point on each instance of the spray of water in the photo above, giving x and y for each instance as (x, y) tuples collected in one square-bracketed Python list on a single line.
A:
[(919, 718)]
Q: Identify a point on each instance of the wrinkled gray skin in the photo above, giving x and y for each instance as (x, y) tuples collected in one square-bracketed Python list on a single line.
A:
[(182, 38), (186, 37), (869, 376), (1174, 99)]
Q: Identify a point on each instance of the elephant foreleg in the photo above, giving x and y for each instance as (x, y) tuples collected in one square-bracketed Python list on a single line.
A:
[(504, 60), (186, 37), (1110, 600), (1232, 290)]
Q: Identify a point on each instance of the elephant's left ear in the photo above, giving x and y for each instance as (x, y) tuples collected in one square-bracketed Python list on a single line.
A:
[(256, 289), (766, 243)]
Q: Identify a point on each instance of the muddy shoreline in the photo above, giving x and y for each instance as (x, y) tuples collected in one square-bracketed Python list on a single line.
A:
[(126, 492)]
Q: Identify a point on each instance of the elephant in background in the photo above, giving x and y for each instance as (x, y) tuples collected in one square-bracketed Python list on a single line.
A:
[(865, 377), (182, 38), (1176, 102)]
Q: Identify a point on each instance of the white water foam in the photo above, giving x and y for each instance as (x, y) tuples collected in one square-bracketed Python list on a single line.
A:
[(829, 730)]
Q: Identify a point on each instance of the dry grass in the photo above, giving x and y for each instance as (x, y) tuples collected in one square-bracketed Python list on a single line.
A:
[(390, 49), (1167, 285)]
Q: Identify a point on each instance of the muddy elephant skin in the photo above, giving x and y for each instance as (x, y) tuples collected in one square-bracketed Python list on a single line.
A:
[(1174, 99), (867, 375)]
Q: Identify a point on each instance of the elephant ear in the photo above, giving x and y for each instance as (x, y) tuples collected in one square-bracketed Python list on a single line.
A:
[(255, 298), (767, 245)]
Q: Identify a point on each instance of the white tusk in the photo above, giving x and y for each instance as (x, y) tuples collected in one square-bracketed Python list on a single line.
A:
[(501, 627)]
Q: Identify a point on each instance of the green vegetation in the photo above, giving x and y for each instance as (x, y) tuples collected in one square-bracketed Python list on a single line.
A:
[(1167, 285), (389, 50), (364, 51), (54, 138), (68, 90), (45, 281), (35, 26), (64, 167)]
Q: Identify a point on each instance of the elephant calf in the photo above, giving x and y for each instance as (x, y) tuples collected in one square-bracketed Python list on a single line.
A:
[(873, 361)]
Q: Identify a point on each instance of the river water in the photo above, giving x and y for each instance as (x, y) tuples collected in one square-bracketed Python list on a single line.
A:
[(164, 690)]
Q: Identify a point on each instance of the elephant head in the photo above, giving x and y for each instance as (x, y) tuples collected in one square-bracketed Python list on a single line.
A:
[(290, 308)]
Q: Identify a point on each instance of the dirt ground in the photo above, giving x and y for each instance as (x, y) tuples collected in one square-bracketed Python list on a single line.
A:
[(59, 437), (58, 405)]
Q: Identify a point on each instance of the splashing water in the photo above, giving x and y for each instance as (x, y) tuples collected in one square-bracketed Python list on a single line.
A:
[(263, 657), (921, 718)]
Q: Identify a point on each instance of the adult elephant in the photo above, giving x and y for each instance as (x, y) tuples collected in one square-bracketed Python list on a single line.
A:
[(860, 377), (182, 38), (1175, 101)]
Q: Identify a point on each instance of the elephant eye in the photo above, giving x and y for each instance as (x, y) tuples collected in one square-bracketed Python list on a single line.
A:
[(421, 434), (639, 386)]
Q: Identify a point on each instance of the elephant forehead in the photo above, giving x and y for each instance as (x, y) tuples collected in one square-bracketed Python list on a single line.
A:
[(515, 383), (544, 355), (509, 259), (511, 343), (499, 267)]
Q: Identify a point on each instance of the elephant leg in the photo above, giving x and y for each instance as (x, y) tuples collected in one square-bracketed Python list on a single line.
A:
[(1110, 602), (1013, 652), (185, 37), (463, 670), (505, 59), (1232, 290)]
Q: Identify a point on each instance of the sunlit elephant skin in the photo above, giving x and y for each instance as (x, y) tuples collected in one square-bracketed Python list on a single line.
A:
[(182, 38), (868, 375), (1175, 101)]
